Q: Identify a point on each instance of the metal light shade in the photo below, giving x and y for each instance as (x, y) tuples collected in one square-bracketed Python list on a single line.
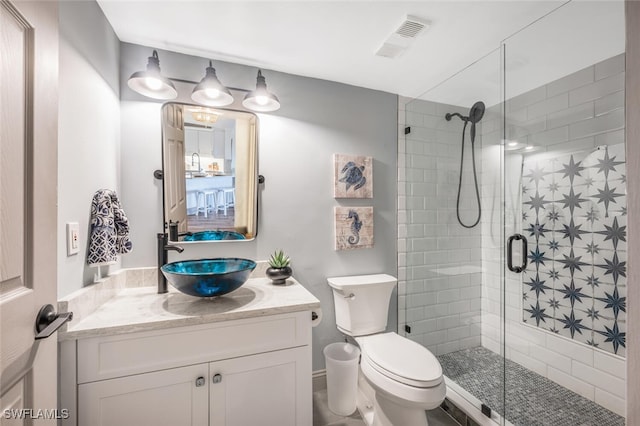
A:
[(210, 91), (151, 83), (261, 100)]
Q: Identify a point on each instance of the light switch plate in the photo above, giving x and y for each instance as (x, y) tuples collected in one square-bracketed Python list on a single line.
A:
[(73, 238)]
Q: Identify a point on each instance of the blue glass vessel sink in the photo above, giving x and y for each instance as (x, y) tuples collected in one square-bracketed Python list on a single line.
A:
[(208, 277), (214, 236)]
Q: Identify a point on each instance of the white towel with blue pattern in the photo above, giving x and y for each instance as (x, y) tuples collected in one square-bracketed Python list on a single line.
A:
[(109, 229)]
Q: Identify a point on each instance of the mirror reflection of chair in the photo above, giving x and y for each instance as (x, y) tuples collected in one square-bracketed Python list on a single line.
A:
[(206, 201), (226, 199)]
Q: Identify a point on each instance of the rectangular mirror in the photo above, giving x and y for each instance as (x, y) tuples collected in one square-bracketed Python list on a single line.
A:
[(210, 173)]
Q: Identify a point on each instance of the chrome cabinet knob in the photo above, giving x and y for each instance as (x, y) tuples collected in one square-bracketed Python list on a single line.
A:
[(217, 378), (200, 381)]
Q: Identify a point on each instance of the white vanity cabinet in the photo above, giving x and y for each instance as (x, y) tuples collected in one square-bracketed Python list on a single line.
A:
[(250, 371)]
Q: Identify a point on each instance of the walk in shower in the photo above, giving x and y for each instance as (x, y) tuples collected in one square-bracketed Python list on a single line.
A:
[(534, 335)]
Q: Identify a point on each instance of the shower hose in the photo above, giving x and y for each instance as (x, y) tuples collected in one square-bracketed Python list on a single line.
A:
[(475, 178)]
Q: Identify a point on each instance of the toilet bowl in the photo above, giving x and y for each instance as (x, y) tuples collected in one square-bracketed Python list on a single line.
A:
[(405, 378)]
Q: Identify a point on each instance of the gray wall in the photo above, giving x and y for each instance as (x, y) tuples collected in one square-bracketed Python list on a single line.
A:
[(318, 118), (88, 130)]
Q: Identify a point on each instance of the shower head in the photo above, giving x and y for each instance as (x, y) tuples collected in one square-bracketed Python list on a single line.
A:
[(448, 116), (476, 112)]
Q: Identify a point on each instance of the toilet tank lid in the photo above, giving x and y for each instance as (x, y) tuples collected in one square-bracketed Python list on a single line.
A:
[(356, 280)]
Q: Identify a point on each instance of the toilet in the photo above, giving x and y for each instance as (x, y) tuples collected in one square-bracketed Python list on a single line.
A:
[(399, 379)]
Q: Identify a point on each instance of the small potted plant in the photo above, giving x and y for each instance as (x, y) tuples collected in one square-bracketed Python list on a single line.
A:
[(279, 269)]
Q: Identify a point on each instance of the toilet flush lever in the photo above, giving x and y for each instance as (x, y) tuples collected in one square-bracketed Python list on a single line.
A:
[(343, 294)]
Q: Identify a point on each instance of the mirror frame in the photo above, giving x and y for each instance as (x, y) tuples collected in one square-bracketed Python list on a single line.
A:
[(255, 173)]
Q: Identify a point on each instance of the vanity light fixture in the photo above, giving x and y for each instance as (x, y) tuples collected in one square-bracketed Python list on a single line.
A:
[(151, 83), (210, 91), (261, 100)]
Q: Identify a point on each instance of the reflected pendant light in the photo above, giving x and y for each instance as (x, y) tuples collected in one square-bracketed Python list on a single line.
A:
[(210, 91), (261, 100), (204, 115), (151, 83)]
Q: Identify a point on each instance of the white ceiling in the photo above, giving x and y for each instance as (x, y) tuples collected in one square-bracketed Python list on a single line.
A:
[(328, 40)]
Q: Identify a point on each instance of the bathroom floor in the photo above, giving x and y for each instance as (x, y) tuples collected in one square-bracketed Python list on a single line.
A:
[(532, 400), (214, 220), (322, 416)]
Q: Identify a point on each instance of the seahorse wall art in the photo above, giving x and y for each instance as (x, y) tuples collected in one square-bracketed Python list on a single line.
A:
[(354, 227), (353, 176)]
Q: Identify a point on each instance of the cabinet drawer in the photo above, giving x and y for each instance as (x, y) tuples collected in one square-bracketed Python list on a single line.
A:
[(107, 357)]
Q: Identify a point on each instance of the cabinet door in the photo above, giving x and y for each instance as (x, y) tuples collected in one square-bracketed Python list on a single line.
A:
[(190, 141), (270, 389), (205, 142), (219, 143), (170, 397)]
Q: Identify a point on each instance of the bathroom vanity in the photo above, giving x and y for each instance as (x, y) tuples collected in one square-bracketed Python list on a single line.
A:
[(143, 358)]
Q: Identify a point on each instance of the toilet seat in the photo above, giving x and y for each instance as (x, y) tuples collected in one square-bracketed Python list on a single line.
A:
[(401, 360)]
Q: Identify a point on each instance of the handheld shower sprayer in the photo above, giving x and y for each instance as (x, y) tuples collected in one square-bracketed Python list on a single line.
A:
[(475, 115)]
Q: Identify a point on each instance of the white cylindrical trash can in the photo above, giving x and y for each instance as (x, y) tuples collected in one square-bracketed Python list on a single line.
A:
[(342, 377)]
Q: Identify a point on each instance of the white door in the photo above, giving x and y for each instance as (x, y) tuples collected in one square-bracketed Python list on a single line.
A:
[(270, 389), (174, 397), (28, 205), (175, 191)]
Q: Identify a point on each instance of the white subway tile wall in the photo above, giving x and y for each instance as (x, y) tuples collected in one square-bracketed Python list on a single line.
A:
[(439, 260)]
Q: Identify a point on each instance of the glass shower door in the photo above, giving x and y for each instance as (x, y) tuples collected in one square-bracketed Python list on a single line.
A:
[(450, 231), (564, 194)]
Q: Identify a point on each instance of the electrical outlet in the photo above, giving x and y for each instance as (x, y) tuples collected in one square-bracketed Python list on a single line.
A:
[(73, 238)]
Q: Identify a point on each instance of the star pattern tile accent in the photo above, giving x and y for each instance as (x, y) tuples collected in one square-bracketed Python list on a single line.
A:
[(574, 215)]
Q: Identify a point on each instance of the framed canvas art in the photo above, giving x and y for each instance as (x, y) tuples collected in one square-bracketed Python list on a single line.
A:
[(354, 227), (353, 176)]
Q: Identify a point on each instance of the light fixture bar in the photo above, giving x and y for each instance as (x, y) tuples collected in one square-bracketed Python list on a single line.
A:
[(209, 91), (180, 80)]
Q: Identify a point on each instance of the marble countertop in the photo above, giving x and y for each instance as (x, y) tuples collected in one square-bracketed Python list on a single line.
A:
[(135, 309)]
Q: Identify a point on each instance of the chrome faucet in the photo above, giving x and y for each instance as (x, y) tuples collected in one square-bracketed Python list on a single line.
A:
[(193, 160), (163, 249)]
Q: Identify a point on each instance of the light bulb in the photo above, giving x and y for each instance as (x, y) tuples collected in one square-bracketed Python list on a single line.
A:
[(528, 148), (153, 83), (512, 144), (262, 100), (212, 93)]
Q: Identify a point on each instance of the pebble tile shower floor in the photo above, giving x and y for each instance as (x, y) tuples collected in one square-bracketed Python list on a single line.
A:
[(531, 400)]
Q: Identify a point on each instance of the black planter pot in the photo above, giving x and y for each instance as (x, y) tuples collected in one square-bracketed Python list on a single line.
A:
[(279, 275)]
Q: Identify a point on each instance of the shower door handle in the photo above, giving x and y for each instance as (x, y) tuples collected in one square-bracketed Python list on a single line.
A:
[(517, 237)]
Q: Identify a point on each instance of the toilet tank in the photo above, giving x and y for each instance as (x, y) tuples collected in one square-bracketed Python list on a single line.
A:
[(362, 302)]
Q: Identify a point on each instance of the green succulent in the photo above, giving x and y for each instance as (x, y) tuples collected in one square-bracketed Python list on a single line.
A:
[(279, 260)]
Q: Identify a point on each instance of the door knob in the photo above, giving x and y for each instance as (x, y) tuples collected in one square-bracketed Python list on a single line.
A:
[(48, 321)]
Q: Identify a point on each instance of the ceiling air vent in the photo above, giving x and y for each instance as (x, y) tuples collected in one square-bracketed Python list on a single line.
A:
[(403, 37)]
